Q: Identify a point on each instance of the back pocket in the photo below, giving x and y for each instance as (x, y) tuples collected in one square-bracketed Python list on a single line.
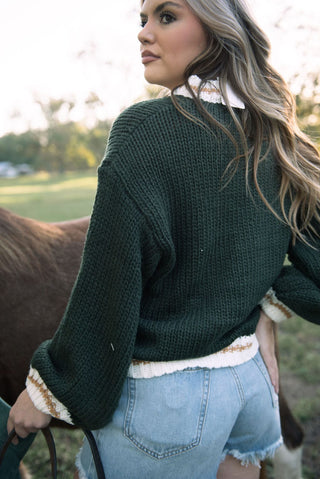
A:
[(165, 414)]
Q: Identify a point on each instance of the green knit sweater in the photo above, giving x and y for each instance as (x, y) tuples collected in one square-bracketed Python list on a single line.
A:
[(176, 259)]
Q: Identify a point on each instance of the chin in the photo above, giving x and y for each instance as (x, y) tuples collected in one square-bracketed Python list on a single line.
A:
[(157, 81), (153, 80), (153, 77)]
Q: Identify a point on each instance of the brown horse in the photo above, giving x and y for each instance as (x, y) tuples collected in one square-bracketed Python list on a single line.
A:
[(38, 266)]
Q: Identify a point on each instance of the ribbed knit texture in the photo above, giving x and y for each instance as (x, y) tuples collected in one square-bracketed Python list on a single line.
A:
[(298, 286), (175, 261)]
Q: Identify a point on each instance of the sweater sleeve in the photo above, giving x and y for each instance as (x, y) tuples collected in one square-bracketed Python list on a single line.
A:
[(85, 365), (298, 285)]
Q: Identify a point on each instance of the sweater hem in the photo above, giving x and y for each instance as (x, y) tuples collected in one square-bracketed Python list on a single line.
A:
[(240, 351)]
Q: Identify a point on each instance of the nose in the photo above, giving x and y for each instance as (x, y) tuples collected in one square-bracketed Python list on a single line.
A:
[(146, 35)]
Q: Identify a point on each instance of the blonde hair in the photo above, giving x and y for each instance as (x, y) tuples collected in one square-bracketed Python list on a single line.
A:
[(238, 53)]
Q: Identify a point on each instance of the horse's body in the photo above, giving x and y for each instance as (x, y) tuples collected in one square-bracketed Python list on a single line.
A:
[(38, 266)]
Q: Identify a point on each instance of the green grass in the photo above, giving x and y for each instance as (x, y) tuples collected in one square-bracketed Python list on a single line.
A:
[(67, 443), (299, 343), (300, 349), (50, 197), (61, 197)]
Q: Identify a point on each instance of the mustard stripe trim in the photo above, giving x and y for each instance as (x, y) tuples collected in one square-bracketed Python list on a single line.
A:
[(46, 396), (280, 306)]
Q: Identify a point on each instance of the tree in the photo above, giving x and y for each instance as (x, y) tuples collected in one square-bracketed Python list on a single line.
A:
[(23, 148), (70, 145), (308, 107)]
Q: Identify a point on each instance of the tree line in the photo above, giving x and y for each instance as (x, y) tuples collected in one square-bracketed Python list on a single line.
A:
[(61, 146), (73, 146)]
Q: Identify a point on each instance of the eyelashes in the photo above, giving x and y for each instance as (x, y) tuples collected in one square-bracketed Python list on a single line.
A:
[(165, 19)]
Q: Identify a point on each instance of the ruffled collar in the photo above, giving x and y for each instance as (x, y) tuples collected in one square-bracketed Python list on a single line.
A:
[(210, 92)]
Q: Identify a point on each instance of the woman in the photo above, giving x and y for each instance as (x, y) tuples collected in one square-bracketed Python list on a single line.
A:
[(200, 197)]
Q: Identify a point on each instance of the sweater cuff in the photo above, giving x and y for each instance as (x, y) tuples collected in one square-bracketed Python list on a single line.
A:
[(43, 399), (275, 309)]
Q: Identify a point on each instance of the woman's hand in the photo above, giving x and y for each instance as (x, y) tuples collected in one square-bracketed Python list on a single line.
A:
[(25, 418), (266, 339)]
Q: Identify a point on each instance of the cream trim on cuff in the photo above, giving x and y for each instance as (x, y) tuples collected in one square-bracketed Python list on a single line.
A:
[(275, 309), (43, 399)]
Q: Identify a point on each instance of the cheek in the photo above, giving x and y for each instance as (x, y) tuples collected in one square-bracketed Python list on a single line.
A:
[(190, 42)]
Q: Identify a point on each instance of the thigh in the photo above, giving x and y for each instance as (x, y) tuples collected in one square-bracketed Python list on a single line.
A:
[(231, 468)]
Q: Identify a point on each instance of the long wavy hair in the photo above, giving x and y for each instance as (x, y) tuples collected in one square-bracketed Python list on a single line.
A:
[(238, 53)]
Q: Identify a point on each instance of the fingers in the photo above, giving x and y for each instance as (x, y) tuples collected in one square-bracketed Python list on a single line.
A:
[(271, 363), (22, 429), (25, 418), (266, 339), (10, 427), (273, 370)]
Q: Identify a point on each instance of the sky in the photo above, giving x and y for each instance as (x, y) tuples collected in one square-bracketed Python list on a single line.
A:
[(69, 48)]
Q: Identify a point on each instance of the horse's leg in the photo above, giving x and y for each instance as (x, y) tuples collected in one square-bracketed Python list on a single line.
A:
[(288, 458), (263, 471), (292, 432), (287, 464)]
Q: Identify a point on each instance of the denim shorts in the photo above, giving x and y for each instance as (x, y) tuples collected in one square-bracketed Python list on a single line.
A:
[(182, 425)]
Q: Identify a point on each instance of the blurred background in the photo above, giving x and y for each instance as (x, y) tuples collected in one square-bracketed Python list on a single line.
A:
[(67, 70), (79, 61)]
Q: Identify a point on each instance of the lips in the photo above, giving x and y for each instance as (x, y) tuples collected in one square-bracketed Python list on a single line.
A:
[(148, 57)]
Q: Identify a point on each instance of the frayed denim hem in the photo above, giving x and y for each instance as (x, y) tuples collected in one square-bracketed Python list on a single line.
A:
[(81, 472), (254, 457)]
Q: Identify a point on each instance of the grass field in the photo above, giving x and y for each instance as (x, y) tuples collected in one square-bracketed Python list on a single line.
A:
[(61, 197), (47, 197)]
